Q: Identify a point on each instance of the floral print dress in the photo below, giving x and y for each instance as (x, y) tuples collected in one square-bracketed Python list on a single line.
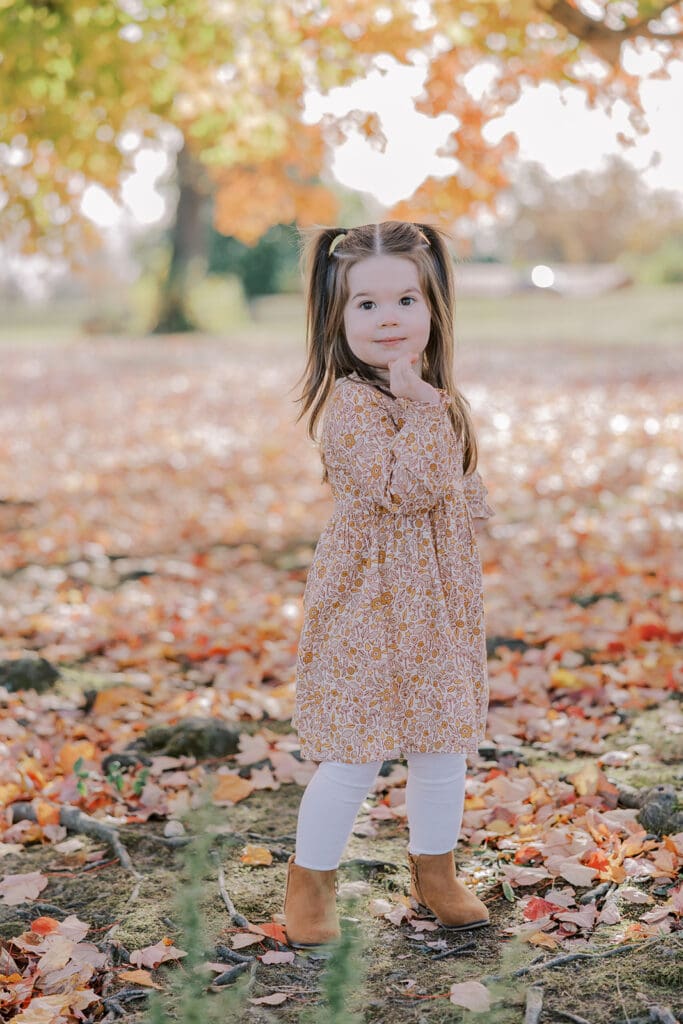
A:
[(392, 652)]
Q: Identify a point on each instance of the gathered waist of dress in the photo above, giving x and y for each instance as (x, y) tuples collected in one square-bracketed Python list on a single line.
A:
[(358, 509)]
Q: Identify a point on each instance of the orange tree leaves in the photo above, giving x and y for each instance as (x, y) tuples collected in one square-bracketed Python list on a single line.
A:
[(232, 79)]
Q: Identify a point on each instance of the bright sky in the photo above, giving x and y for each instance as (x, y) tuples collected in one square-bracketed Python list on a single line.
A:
[(556, 129)]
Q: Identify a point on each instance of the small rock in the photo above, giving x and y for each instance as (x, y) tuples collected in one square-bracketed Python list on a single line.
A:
[(195, 737), (658, 809), (174, 828), (30, 673)]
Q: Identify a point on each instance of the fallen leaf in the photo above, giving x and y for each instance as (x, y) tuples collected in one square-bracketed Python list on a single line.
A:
[(17, 889), (230, 788), (141, 977), (538, 907), (472, 995), (576, 874), (256, 855), (57, 954), (242, 939), (273, 957), (152, 956), (542, 939), (44, 925), (72, 752), (275, 999)]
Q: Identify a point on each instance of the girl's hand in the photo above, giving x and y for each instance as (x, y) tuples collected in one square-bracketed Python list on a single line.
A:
[(405, 383)]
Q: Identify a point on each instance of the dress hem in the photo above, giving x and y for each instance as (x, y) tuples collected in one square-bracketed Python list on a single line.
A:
[(393, 755)]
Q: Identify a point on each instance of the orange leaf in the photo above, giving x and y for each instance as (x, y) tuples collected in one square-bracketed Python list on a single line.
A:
[(232, 788), (46, 813), (542, 939), (71, 752), (114, 698), (598, 860), (272, 930), (44, 925), (256, 855), (526, 854)]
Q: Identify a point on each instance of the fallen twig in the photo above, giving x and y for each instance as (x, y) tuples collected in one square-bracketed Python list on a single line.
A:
[(534, 1005), (227, 977), (236, 918), (596, 893), (571, 957), (232, 956), (113, 1004), (455, 951), (573, 1017), (76, 821)]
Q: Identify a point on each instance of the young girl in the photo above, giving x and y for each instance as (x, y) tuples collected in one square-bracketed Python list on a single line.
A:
[(392, 654)]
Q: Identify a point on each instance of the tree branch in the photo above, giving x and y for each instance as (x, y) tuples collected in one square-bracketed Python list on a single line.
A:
[(604, 40)]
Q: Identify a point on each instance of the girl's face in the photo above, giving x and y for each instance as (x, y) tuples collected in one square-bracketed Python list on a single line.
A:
[(386, 315)]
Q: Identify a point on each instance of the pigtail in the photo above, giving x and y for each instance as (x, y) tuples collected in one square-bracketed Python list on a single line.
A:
[(439, 359), (442, 261), (317, 266)]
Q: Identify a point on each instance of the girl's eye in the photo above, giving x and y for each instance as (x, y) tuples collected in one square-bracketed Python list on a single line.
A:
[(368, 302)]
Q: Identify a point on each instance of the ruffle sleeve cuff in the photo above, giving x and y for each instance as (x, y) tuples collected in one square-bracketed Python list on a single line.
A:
[(475, 496)]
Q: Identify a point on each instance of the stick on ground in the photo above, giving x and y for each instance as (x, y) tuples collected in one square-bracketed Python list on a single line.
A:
[(76, 821)]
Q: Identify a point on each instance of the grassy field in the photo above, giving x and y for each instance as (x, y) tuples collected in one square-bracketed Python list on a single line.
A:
[(642, 315)]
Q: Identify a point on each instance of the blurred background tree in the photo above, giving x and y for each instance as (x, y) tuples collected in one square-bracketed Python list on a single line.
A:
[(86, 83), (588, 217)]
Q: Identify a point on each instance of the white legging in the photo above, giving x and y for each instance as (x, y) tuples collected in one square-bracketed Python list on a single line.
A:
[(435, 795)]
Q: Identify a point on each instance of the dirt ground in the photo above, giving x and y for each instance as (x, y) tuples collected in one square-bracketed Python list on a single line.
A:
[(397, 980)]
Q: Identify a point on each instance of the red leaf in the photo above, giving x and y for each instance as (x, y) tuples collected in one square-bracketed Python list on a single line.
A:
[(538, 907)]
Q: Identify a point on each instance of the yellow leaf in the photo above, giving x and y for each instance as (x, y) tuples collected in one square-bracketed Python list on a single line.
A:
[(563, 679), (140, 977), (500, 827)]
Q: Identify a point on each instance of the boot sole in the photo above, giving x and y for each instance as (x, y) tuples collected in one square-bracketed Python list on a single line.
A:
[(425, 911), (329, 944)]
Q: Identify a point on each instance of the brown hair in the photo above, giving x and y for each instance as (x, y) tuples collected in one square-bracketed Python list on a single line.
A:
[(328, 354)]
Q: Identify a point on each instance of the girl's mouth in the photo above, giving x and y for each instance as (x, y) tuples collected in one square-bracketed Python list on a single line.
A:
[(389, 341)]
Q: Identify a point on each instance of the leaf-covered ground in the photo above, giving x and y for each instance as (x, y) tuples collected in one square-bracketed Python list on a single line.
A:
[(159, 508)]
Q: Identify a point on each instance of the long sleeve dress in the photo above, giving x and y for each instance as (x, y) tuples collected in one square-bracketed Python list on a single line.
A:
[(392, 652)]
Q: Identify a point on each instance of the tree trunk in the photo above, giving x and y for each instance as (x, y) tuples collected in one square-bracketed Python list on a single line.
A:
[(186, 240)]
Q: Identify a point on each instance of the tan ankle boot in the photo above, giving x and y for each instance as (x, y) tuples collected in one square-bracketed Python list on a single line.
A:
[(434, 885), (310, 905)]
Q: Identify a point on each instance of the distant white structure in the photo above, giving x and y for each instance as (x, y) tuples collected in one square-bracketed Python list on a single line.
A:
[(498, 279)]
